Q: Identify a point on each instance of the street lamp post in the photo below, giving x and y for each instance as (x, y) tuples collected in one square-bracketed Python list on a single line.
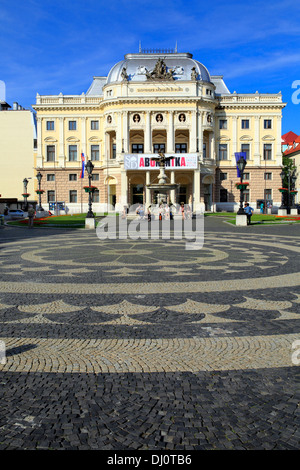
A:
[(25, 194), (39, 191), (89, 168), (241, 166)]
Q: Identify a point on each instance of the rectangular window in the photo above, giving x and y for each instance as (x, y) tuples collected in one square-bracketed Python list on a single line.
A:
[(245, 123), (137, 148), (94, 152), (246, 149), (204, 150), (50, 125), (95, 195), (95, 177), (72, 125), (223, 176), (72, 153), (268, 176), (267, 124), (50, 177), (94, 125), (180, 148), (246, 177), (51, 196), (158, 148), (267, 151), (50, 153), (72, 195), (72, 177), (246, 196), (268, 194), (114, 151), (223, 195), (222, 151), (223, 124)]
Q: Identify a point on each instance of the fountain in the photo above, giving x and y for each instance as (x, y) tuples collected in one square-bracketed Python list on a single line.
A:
[(162, 186)]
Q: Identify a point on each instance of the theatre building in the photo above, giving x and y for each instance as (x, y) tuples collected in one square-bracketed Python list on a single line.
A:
[(153, 102)]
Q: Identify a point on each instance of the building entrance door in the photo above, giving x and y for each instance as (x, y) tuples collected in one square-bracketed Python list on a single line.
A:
[(207, 197), (138, 194)]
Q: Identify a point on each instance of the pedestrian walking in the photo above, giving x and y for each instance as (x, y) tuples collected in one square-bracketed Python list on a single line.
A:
[(31, 213), (249, 211)]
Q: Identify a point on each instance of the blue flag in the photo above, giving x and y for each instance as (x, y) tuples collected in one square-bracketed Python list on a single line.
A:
[(238, 155)]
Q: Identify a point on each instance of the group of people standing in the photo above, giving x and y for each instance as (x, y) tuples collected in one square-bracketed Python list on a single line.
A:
[(165, 211)]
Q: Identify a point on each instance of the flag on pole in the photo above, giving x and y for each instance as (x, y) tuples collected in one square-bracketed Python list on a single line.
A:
[(83, 164), (238, 155)]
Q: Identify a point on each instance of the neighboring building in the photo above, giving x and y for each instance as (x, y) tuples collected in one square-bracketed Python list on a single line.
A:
[(17, 143), (293, 152), (152, 102)]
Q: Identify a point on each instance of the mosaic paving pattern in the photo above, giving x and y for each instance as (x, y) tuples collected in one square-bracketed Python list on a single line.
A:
[(127, 316)]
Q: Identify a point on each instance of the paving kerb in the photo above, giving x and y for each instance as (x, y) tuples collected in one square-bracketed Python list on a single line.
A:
[(142, 353)]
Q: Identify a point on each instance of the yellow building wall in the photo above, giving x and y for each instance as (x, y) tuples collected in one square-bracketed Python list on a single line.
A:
[(16, 154)]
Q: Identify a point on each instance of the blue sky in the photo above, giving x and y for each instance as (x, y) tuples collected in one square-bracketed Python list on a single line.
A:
[(52, 47)]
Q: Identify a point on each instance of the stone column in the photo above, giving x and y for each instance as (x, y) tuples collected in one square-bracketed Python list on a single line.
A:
[(61, 154), (148, 138), (125, 132), (193, 133), (200, 135), (196, 202), (119, 135), (124, 189), (170, 135), (278, 155), (39, 158), (257, 141), (173, 191), (148, 191), (234, 139), (83, 137)]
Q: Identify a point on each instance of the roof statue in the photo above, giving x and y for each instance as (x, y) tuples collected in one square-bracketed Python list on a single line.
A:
[(160, 71)]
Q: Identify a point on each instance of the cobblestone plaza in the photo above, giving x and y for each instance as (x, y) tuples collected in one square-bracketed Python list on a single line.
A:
[(142, 344)]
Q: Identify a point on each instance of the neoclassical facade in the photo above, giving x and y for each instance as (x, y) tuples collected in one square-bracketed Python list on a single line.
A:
[(159, 102)]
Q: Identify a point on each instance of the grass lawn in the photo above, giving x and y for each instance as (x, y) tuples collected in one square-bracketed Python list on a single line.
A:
[(70, 221), (259, 218)]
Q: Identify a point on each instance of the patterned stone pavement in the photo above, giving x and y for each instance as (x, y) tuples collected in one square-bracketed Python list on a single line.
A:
[(137, 344)]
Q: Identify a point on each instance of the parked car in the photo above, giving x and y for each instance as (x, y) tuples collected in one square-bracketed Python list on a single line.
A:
[(15, 214)]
